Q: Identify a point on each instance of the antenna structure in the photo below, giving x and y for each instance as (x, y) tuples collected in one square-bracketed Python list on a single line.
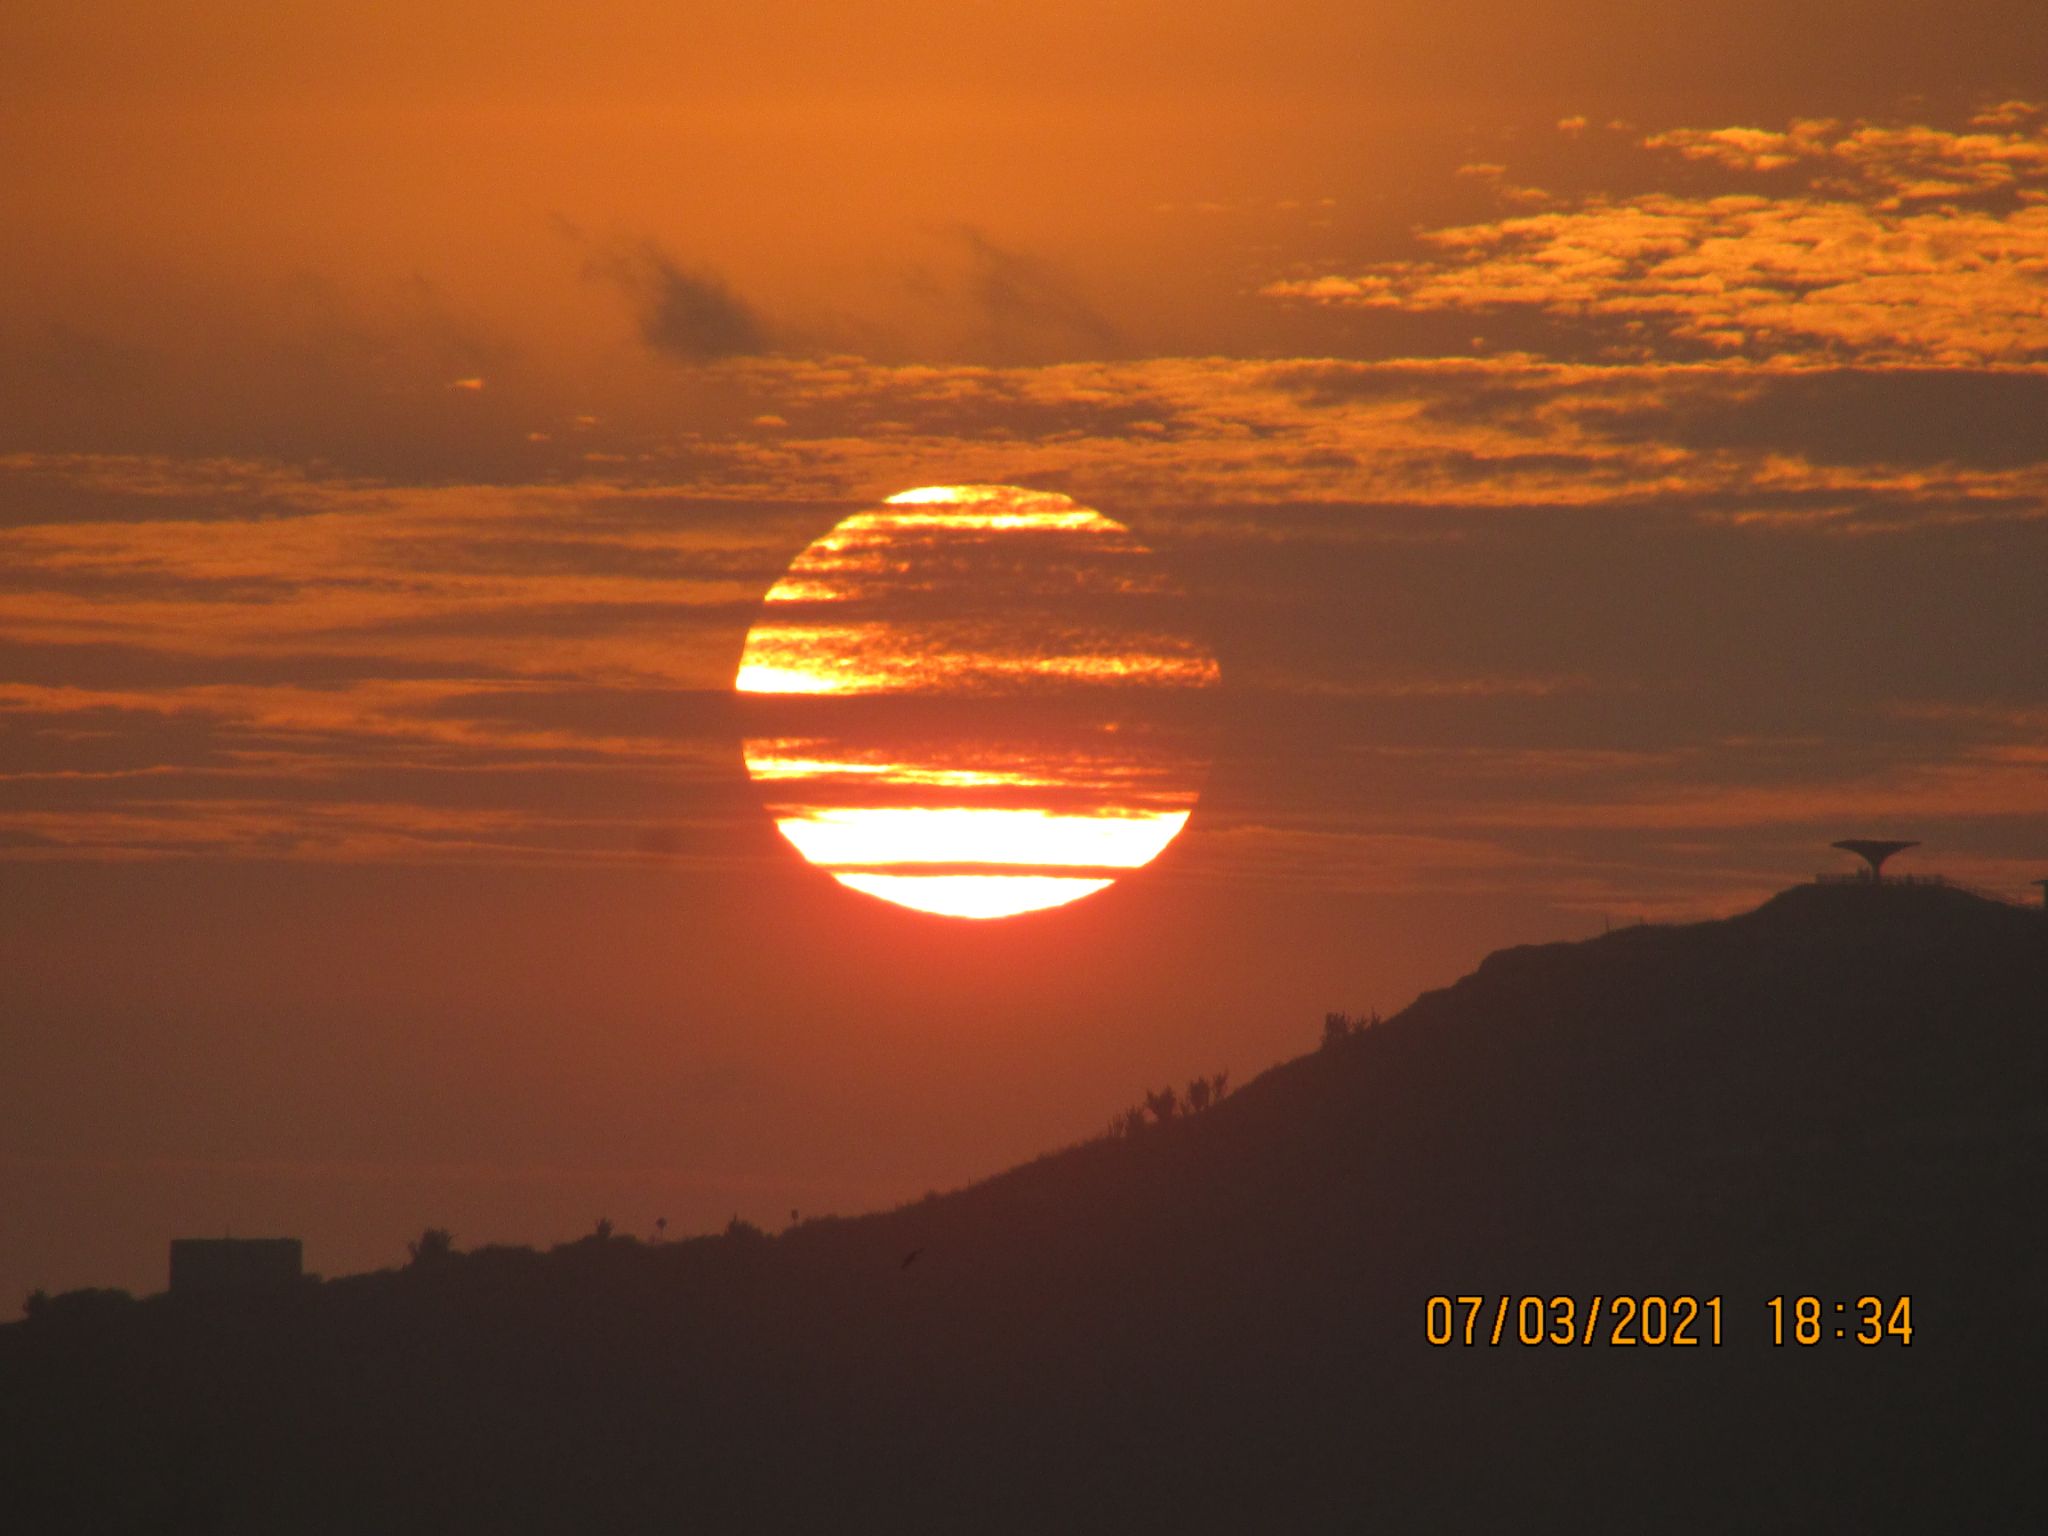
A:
[(1874, 851)]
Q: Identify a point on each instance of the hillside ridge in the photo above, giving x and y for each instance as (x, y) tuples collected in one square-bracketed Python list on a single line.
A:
[(1217, 1323)]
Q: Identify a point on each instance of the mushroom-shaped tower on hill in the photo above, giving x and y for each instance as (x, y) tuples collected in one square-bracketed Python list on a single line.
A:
[(1874, 851)]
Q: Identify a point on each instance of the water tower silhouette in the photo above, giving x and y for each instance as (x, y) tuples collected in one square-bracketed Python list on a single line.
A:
[(1873, 851)]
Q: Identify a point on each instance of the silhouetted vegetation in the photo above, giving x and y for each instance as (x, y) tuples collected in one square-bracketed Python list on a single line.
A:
[(1216, 1322), (1203, 1092), (1342, 1026), (92, 1304), (1167, 1104), (434, 1246)]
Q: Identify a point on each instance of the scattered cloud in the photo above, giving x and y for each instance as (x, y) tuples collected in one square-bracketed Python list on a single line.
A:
[(1021, 293), (998, 304), (386, 376), (1890, 245), (684, 313)]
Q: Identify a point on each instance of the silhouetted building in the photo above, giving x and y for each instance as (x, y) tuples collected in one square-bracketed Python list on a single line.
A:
[(1873, 851), (201, 1265)]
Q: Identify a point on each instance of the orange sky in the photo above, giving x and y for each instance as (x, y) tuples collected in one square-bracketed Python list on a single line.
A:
[(1601, 445)]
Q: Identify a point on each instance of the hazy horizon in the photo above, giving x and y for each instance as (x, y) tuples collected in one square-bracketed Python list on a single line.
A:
[(1600, 451)]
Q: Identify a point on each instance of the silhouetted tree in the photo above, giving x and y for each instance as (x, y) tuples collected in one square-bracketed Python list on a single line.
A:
[(37, 1305), (742, 1230), (660, 1228), (1130, 1122), (433, 1246), (1335, 1027), (1219, 1085), (1198, 1095), (1164, 1104), (88, 1304), (603, 1232)]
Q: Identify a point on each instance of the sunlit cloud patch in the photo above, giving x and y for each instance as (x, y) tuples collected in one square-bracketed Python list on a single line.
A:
[(1865, 242)]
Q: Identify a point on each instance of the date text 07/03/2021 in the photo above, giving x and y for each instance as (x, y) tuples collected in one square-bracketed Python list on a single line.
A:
[(1654, 1321)]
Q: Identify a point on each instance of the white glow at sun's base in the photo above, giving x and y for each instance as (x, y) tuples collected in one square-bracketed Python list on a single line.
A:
[(970, 835), (975, 895)]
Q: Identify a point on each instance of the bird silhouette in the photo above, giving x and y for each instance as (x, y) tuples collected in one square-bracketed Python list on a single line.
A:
[(910, 1258)]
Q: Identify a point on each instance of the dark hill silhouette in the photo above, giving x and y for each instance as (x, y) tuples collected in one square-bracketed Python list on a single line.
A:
[(1218, 1324)]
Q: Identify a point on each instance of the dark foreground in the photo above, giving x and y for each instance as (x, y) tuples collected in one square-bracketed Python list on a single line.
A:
[(1219, 1324)]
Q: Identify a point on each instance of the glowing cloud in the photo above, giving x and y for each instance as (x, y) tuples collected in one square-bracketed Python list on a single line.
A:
[(1897, 244)]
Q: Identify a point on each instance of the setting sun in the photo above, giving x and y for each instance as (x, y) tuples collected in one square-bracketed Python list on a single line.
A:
[(992, 675)]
